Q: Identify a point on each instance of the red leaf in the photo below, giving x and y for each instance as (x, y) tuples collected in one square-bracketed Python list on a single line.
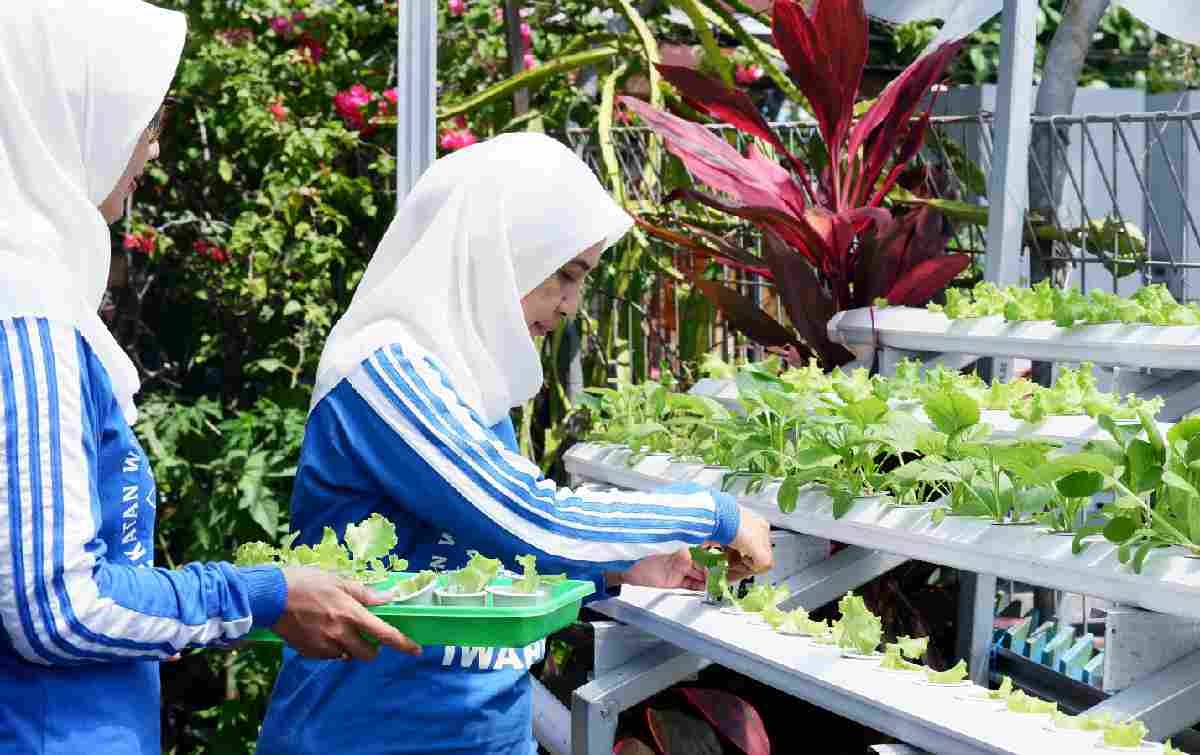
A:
[(734, 718), (888, 120), (918, 236), (805, 300), (714, 162), (725, 254), (632, 747), (680, 734), (916, 287), (825, 54), (712, 97), (796, 231)]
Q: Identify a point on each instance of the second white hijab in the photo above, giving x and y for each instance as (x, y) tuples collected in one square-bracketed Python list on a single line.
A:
[(482, 228), (80, 81)]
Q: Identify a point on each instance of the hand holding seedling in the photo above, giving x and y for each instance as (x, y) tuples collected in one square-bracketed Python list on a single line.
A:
[(666, 570), (751, 547), (325, 617)]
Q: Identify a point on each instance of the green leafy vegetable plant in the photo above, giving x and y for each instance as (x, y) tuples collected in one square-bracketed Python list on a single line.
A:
[(476, 575), (952, 675), (1127, 734), (530, 581), (858, 630)]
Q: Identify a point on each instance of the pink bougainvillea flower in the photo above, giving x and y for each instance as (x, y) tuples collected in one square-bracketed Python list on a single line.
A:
[(312, 49), (217, 254), (499, 13), (455, 139), (526, 33), (298, 16), (279, 111), (387, 102), (352, 105), (130, 242), (460, 122), (747, 74), (200, 246), (457, 7), (281, 25), (528, 60)]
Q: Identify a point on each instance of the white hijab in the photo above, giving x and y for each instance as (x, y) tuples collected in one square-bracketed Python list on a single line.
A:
[(481, 229), (80, 81)]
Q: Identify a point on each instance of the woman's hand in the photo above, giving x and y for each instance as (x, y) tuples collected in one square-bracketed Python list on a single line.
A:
[(669, 570), (751, 547), (325, 618)]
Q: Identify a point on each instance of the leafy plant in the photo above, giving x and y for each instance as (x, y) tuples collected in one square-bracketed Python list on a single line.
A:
[(476, 575), (952, 675), (366, 544), (715, 563), (913, 648), (1019, 702), (893, 660), (1068, 307), (762, 597), (828, 243), (1126, 734), (530, 580), (858, 629)]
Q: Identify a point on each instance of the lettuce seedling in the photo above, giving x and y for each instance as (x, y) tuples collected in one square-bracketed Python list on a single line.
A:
[(912, 647), (1019, 702), (761, 597), (1127, 734), (859, 629), (476, 575), (893, 659), (531, 581), (952, 675), (373, 538), (715, 562), (413, 584)]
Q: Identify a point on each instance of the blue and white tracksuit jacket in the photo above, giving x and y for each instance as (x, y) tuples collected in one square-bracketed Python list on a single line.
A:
[(85, 617), (395, 438)]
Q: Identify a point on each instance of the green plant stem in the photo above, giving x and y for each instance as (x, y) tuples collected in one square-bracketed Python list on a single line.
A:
[(528, 78)]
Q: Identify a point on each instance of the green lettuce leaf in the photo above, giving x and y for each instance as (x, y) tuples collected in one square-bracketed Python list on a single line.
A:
[(950, 676), (859, 629), (1127, 734)]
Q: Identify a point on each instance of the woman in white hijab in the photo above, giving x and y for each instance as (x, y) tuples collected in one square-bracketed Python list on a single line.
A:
[(410, 419), (84, 616)]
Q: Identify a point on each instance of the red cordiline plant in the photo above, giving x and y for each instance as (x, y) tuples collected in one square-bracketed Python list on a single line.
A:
[(828, 243)]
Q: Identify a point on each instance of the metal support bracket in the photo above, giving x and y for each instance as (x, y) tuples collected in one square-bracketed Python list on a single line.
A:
[(596, 706), (832, 578), (976, 614), (1167, 701)]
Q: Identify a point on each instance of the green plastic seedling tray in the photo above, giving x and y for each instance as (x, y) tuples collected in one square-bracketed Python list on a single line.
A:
[(475, 626)]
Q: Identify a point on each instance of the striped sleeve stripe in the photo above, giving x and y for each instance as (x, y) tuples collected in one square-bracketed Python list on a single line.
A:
[(519, 488), (525, 529), (470, 463), (442, 405), (427, 377), (16, 610)]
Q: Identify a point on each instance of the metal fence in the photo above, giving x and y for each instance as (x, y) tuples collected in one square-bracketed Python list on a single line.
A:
[(1118, 178)]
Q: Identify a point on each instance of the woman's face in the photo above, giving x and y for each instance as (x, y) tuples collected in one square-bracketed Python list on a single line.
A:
[(557, 297), (113, 207)]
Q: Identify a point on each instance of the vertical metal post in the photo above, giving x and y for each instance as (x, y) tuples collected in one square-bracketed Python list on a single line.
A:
[(976, 616), (416, 92), (1008, 188)]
